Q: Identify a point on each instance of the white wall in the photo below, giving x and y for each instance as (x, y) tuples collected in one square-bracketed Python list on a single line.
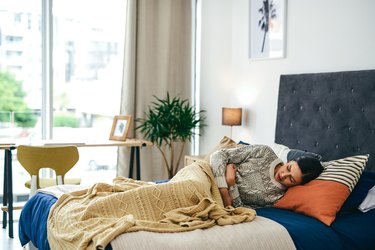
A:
[(322, 36)]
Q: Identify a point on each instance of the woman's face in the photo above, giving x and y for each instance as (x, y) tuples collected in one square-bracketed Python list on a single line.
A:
[(288, 174)]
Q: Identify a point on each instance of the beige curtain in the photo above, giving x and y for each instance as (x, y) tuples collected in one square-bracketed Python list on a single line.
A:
[(158, 58)]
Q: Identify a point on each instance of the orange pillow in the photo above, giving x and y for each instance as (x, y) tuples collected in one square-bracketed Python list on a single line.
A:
[(318, 199), (322, 198)]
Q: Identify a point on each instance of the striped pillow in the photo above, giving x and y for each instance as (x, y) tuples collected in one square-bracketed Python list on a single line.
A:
[(323, 198), (345, 171)]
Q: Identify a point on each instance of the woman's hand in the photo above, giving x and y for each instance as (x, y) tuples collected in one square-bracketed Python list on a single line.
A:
[(230, 174), (225, 196)]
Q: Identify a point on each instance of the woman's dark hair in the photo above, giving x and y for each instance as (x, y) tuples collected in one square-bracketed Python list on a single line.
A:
[(310, 167)]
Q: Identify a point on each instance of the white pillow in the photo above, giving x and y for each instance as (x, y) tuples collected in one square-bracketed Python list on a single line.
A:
[(281, 151), (369, 202)]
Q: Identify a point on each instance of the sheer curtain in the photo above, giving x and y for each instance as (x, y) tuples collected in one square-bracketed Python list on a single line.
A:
[(158, 58)]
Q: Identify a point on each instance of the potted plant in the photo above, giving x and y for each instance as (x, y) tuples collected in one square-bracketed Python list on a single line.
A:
[(169, 122)]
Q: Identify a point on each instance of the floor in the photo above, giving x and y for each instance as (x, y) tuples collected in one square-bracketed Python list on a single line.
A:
[(7, 243)]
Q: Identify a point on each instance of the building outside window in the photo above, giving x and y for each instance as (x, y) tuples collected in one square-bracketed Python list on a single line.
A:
[(87, 60)]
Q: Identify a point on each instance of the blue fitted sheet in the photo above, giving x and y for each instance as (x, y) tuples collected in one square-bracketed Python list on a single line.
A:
[(356, 230), (307, 233), (353, 230)]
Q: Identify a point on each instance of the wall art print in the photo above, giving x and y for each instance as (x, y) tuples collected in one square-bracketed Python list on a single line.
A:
[(267, 29)]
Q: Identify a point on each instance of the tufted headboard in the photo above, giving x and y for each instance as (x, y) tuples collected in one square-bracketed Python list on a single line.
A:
[(332, 114)]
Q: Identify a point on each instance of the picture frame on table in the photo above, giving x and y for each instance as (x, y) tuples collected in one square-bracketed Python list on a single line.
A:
[(120, 127), (267, 36)]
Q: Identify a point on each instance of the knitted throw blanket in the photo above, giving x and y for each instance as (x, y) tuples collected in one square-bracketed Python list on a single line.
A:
[(91, 218)]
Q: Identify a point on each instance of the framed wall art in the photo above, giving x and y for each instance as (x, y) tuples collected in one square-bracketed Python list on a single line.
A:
[(267, 29), (120, 127)]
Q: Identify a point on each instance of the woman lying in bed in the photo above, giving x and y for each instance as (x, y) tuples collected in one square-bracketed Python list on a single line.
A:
[(254, 176)]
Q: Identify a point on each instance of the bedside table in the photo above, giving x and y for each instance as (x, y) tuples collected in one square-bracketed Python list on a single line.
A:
[(192, 158)]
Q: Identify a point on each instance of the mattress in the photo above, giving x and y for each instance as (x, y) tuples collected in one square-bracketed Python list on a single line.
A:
[(352, 229)]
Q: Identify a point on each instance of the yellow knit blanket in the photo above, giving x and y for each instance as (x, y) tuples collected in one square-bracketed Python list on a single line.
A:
[(91, 218)]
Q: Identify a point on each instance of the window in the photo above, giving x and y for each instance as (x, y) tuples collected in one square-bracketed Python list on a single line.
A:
[(85, 85)]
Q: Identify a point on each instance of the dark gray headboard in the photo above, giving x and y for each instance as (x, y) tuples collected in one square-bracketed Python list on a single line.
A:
[(332, 114)]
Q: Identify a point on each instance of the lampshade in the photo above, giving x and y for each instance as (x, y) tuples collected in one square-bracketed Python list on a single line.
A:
[(232, 116)]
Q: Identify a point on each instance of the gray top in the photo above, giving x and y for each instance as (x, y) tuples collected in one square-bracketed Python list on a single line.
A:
[(255, 182)]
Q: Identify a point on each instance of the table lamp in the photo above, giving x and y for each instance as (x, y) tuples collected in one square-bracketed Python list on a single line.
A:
[(231, 117)]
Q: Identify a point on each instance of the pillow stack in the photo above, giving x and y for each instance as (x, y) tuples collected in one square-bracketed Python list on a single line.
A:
[(323, 197)]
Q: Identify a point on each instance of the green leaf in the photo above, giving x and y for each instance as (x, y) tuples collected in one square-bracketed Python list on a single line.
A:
[(170, 120)]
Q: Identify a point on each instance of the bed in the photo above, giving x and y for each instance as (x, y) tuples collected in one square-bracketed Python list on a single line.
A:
[(329, 114)]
